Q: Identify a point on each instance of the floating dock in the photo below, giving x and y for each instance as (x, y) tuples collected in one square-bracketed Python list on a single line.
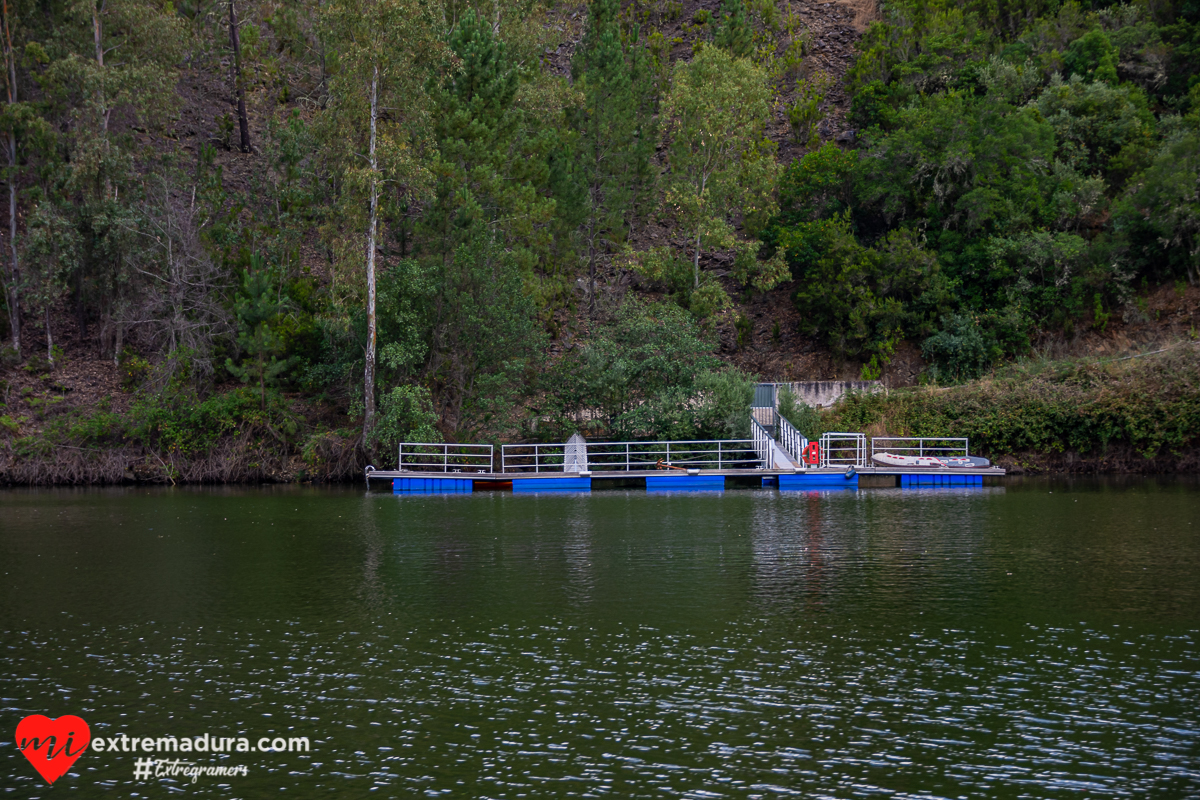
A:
[(777, 456), (406, 482)]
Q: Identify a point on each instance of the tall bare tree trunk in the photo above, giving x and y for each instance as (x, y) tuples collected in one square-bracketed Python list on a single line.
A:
[(98, 40), (14, 274), (369, 377), (97, 32), (14, 290), (699, 227), (238, 84), (101, 100), (324, 70), (594, 197)]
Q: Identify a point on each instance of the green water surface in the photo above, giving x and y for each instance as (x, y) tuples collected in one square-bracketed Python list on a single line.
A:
[(1038, 639)]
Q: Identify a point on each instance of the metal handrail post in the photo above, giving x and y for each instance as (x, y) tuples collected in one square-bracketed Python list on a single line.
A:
[(627, 456)]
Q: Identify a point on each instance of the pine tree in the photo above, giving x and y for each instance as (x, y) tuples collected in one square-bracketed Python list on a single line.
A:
[(735, 33), (259, 311), (487, 145), (488, 227), (612, 149)]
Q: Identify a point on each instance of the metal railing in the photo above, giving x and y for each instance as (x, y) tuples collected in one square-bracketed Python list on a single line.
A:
[(938, 447), (628, 456), (791, 440), (844, 450), (433, 457), (763, 442)]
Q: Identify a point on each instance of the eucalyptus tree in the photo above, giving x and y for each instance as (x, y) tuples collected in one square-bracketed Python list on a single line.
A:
[(12, 113), (721, 162), (375, 126), (106, 73)]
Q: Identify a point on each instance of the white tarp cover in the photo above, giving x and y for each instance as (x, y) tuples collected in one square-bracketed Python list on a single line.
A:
[(575, 454)]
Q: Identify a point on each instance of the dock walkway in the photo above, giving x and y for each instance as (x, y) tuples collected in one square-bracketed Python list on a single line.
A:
[(842, 461)]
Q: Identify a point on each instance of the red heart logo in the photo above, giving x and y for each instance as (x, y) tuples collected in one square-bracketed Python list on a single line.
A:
[(52, 745)]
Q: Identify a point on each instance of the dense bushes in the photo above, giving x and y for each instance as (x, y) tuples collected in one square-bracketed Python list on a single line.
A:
[(1150, 406), (647, 373), (175, 436), (1040, 162)]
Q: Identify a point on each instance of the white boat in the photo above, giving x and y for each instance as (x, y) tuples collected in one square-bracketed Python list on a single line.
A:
[(929, 462), (892, 460)]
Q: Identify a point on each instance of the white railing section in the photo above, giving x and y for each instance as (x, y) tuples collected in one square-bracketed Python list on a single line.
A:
[(791, 440), (629, 456), (938, 447), (763, 443), (433, 457), (843, 450)]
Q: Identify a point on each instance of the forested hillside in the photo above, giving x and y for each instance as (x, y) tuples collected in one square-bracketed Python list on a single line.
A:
[(252, 239)]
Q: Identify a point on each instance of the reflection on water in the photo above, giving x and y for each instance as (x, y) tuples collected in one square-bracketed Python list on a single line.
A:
[(1037, 640)]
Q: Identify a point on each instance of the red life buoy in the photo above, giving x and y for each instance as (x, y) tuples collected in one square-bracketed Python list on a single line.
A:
[(812, 453)]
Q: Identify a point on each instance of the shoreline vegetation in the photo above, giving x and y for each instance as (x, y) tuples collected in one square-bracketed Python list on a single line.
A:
[(1133, 414), (251, 242), (1136, 414)]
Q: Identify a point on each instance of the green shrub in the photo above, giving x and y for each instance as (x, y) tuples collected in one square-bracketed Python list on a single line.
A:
[(745, 329), (405, 415), (804, 418), (958, 352), (860, 299), (734, 33), (1092, 56), (1151, 405), (133, 369), (708, 300), (176, 422), (724, 411), (805, 113), (635, 377)]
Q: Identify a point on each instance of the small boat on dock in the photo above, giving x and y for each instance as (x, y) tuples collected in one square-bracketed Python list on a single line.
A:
[(930, 462)]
